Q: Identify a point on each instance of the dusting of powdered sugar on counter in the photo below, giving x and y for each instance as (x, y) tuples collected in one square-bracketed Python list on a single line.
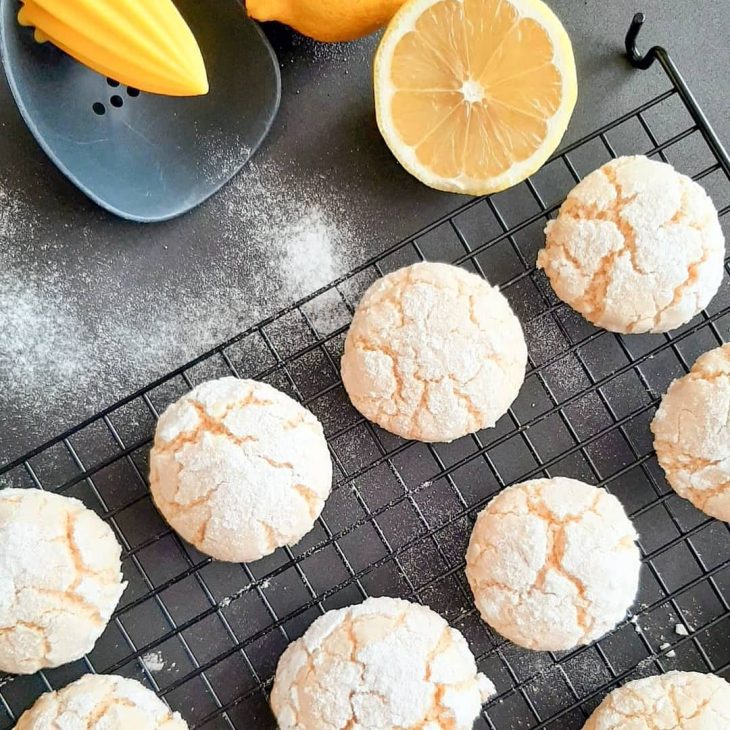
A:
[(310, 234), (40, 335), (279, 234)]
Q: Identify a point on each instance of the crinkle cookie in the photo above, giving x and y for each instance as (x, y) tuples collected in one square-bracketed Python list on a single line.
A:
[(553, 563), (692, 434), (433, 353), (239, 469), (385, 663), (675, 700), (60, 579), (636, 247), (101, 702)]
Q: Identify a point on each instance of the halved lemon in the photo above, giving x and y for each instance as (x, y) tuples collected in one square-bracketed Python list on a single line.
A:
[(473, 96)]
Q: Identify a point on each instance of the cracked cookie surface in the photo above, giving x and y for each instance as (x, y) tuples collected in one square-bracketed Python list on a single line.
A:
[(553, 563), (671, 701), (239, 469), (385, 663), (433, 353), (60, 579), (636, 247), (692, 434), (101, 702)]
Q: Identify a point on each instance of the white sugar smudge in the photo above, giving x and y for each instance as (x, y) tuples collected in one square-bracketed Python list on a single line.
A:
[(327, 312), (153, 661), (309, 253)]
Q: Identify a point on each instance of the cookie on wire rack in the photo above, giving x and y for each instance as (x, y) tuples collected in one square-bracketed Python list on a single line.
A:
[(692, 434), (101, 702), (553, 563), (239, 469), (636, 247), (678, 700), (60, 579), (433, 353), (385, 663)]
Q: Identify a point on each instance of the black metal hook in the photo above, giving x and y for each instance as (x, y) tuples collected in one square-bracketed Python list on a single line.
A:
[(640, 60), (657, 53)]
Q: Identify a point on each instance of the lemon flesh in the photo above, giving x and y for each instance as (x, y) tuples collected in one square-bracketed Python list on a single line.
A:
[(473, 96)]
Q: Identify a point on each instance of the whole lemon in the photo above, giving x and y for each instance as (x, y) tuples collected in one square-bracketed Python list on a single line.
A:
[(327, 20)]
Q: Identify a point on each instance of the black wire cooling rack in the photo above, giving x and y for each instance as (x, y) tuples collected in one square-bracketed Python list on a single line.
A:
[(207, 635)]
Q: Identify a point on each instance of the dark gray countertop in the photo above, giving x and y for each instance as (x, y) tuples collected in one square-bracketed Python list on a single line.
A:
[(91, 308)]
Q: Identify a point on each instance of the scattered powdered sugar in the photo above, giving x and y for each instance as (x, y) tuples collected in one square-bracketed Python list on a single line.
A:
[(224, 153), (566, 377), (41, 337), (17, 218), (327, 312), (66, 350), (328, 58), (671, 653), (303, 221), (321, 51), (635, 621), (544, 338), (153, 661), (228, 600), (583, 669), (309, 251)]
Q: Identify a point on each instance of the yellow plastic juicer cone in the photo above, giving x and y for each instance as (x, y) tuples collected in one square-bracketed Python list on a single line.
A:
[(141, 43)]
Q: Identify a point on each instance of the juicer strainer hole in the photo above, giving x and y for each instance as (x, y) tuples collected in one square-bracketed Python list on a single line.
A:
[(116, 101), (112, 82), (131, 91), (98, 108)]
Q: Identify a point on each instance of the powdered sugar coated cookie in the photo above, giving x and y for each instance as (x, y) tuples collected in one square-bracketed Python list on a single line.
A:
[(433, 353), (692, 434), (60, 579), (384, 663), (238, 469), (636, 247), (677, 700), (101, 702), (552, 563)]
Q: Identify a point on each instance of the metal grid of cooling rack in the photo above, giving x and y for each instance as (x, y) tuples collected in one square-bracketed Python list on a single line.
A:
[(206, 635)]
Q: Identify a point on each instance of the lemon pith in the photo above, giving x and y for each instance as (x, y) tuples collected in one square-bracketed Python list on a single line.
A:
[(473, 96)]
